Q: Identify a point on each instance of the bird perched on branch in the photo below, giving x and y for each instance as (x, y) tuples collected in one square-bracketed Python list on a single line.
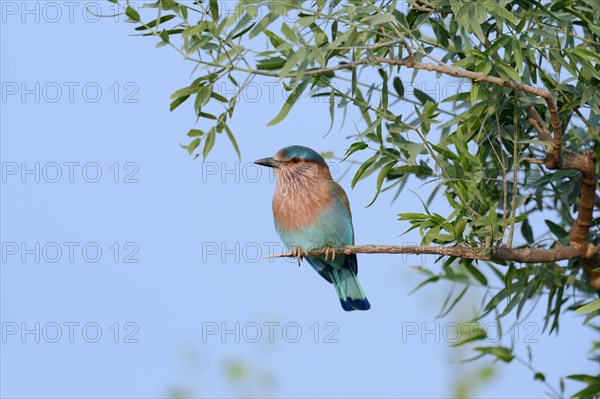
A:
[(312, 212)]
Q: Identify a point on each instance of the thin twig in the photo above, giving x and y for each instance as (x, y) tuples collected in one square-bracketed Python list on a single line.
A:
[(515, 190), (504, 179)]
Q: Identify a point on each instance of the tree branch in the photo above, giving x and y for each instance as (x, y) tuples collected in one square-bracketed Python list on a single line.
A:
[(521, 255)]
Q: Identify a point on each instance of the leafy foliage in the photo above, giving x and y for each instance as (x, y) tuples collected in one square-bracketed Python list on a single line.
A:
[(474, 147)]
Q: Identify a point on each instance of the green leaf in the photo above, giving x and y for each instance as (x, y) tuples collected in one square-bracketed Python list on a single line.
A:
[(358, 146), (214, 9), (363, 168), (186, 91), (516, 47), (289, 103), (195, 133), (156, 22), (233, 141), (446, 309), (191, 147), (271, 63), (479, 276), (558, 231), (591, 391), (422, 97), (207, 116), (560, 4), (507, 72), (590, 307), (289, 33), (526, 231), (209, 143), (500, 352), (470, 334), (379, 19), (132, 14), (398, 86), (261, 25), (297, 57), (178, 102), (498, 44), (588, 379), (421, 171), (380, 178), (202, 98), (474, 93), (218, 97), (164, 35)]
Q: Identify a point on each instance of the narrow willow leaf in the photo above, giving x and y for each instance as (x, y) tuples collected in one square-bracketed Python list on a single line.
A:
[(421, 171), (474, 92), (516, 47), (233, 141), (558, 231), (292, 61), (479, 276), (177, 102), (381, 19), (422, 97), (334, 30), (214, 9), (363, 168), (271, 63), (498, 44), (132, 14), (202, 98), (289, 103), (164, 35), (507, 72), (590, 307), (500, 352), (191, 147), (331, 109), (156, 22), (289, 33), (446, 309), (195, 133), (526, 231), (358, 146), (469, 334), (186, 91), (209, 143), (398, 86), (207, 116), (380, 178), (261, 25)]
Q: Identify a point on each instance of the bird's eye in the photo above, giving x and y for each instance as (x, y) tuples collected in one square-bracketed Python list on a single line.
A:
[(295, 160)]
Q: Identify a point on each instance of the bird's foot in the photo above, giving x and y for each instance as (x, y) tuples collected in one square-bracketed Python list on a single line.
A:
[(330, 250), (298, 253)]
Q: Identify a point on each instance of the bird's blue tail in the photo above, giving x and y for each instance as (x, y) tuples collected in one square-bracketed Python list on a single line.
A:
[(348, 288)]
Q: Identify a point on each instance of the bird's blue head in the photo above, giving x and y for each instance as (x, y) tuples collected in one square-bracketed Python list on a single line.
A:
[(300, 152), (295, 160)]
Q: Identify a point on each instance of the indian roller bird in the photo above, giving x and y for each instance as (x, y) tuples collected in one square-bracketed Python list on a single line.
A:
[(311, 212)]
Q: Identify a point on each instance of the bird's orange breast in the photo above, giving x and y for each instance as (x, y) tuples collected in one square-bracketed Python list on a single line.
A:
[(295, 210)]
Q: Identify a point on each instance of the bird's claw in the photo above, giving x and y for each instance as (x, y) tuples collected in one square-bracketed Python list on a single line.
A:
[(330, 250), (298, 253)]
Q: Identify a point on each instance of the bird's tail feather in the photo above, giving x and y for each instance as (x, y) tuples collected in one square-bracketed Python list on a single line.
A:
[(349, 290)]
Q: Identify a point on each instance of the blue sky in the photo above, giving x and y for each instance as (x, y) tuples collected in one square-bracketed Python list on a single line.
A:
[(85, 108)]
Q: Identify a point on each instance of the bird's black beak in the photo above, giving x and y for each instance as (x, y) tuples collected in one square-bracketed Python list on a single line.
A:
[(270, 162)]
